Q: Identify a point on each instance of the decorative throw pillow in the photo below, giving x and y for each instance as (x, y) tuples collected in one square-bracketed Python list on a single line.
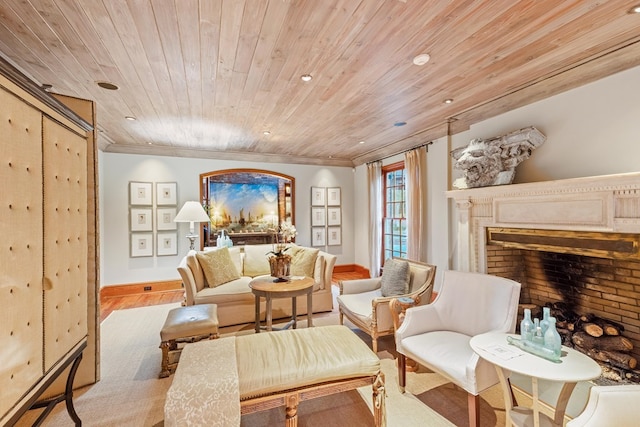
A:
[(303, 260), (256, 261), (395, 277), (217, 266), (234, 253)]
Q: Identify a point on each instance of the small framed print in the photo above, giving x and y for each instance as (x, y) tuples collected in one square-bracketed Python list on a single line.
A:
[(318, 236), (166, 244), (140, 193), (164, 219), (333, 196), (333, 216), (141, 244), (318, 196), (318, 217), (166, 193), (141, 219), (334, 236)]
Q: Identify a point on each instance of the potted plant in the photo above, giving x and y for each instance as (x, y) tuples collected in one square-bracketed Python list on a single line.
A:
[(279, 262)]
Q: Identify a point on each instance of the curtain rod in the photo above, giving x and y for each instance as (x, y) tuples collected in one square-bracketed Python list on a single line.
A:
[(426, 144)]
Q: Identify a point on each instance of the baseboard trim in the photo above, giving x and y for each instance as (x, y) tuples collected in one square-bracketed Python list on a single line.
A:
[(140, 288), (351, 268)]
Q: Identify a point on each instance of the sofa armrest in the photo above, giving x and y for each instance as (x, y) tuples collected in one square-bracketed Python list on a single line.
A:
[(188, 281), (329, 263), (358, 286)]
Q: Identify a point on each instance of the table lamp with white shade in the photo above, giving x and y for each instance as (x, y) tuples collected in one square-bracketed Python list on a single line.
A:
[(192, 212)]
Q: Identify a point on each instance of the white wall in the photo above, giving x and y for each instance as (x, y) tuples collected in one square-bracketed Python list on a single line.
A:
[(591, 130), (116, 170)]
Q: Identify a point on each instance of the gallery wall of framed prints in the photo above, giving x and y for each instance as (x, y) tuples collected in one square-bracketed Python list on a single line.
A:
[(152, 229), (326, 216)]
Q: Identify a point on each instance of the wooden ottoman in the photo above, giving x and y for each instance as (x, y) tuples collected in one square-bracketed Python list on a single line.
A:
[(218, 381), (184, 325)]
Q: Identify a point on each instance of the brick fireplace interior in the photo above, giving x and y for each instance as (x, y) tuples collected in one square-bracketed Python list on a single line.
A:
[(607, 288)]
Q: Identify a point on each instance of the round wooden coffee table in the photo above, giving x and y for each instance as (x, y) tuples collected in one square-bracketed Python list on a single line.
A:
[(266, 288)]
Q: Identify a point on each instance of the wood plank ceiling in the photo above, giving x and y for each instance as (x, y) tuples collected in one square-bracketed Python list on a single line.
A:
[(207, 78)]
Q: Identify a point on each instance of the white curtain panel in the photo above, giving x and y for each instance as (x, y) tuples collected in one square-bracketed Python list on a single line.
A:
[(374, 178), (415, 163)]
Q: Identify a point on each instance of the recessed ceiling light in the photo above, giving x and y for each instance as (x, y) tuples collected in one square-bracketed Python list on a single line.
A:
[(398, 124), (421, 59), (130, 118), (266, 133), (306, 77), (361, 142), (107, 85), (448, 101), (635, 9)]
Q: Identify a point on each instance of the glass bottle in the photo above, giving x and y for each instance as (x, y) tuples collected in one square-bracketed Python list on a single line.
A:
[(552, 339), (544, 323), (526, 326), (538, 338)]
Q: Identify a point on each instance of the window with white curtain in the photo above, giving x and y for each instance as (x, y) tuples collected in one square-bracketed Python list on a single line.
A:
[(394, 219)]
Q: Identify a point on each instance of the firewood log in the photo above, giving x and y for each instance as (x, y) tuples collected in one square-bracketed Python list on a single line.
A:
[(615, 358), (609, 327), (611, 373), (633, 376), (561, 324), (612, 343), (587, 318), (611, 330), (592, 329), (564, 311)]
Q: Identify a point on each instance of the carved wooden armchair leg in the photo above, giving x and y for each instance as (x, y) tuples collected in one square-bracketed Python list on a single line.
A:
[(402, 371)]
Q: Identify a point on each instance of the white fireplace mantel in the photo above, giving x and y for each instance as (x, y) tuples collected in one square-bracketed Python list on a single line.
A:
[(609, 203)]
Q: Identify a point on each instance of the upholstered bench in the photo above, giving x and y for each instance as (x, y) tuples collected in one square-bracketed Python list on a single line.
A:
[(185, 325), (218, 381)]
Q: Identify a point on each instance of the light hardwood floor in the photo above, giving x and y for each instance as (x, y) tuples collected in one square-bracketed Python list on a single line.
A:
[(109, 304)]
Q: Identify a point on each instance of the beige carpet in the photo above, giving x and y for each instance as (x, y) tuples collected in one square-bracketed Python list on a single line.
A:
[(130, 393)]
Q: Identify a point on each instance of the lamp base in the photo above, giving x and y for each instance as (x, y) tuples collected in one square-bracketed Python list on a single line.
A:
[(192, 241)]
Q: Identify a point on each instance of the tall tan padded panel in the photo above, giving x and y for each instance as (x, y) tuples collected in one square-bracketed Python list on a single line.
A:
[(20, 249), (88, 372), (65, 239)]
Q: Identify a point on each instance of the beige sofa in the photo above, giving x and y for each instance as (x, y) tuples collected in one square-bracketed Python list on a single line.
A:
[(234, 300)]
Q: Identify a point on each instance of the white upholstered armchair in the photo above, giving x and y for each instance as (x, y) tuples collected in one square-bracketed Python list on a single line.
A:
[(364, 303), (610, 406), (437, 335)]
